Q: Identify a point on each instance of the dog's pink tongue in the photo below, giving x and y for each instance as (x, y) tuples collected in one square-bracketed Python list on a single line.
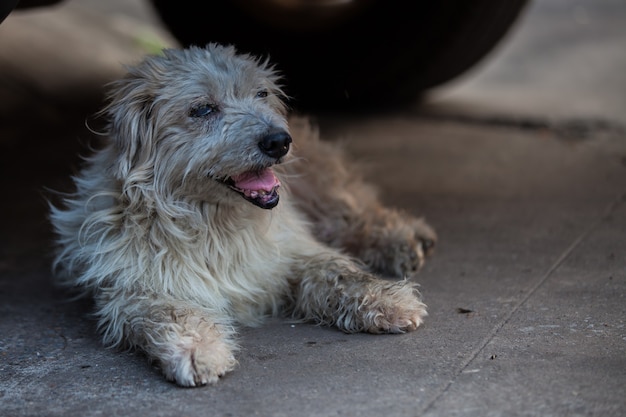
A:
[(253, 180)]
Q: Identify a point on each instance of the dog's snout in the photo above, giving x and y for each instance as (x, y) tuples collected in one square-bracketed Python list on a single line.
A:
[(275, 144)]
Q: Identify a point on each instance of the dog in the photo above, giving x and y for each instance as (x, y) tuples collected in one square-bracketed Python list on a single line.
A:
[(208, 207)]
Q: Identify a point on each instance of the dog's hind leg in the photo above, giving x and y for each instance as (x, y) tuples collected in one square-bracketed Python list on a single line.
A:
[(331, 290), (191, 345), (346, 212)]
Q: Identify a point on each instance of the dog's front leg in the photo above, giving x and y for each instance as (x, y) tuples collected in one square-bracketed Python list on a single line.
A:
[(332, 290), (192, 345)]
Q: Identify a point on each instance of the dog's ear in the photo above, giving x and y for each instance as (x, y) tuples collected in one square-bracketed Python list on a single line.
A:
[(131, 125)]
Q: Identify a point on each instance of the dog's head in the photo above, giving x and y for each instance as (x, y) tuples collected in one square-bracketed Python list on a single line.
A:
[(204, 123)]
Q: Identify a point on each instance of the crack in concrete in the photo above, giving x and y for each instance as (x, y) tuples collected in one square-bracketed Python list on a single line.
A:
[(621, 199)]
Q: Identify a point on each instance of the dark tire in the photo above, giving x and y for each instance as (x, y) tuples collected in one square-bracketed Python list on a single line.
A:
[(6, 7), (387, 54)]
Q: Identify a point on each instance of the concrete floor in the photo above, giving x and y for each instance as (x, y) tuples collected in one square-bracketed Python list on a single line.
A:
[(520, 165)]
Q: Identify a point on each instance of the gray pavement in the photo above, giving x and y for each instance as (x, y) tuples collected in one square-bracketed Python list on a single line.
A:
[(520, 165)]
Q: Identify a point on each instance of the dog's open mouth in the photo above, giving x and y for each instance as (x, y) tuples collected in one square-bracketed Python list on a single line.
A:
[(258, 187)]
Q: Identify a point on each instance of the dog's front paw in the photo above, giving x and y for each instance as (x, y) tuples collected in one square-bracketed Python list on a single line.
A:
[(197, 357), (193, 364), (399, 247), (395, 308)]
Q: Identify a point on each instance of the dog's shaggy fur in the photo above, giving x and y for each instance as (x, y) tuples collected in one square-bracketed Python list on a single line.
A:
[(170, 227)]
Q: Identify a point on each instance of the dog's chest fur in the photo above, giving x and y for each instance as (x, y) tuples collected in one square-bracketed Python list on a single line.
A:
[(234, 259)]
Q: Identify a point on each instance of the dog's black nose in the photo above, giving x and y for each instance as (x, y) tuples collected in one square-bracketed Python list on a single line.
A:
[(275, 144)]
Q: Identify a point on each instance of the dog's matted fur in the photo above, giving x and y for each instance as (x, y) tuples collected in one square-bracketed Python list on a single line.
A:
[(170, 227)]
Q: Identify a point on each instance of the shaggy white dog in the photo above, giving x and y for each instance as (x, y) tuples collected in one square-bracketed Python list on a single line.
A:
[(170, 227)]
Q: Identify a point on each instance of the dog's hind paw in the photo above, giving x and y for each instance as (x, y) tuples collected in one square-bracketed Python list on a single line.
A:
[(400, 247)]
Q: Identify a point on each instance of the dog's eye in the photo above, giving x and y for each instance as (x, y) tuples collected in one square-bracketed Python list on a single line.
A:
[(261, 94), (203, 110)]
